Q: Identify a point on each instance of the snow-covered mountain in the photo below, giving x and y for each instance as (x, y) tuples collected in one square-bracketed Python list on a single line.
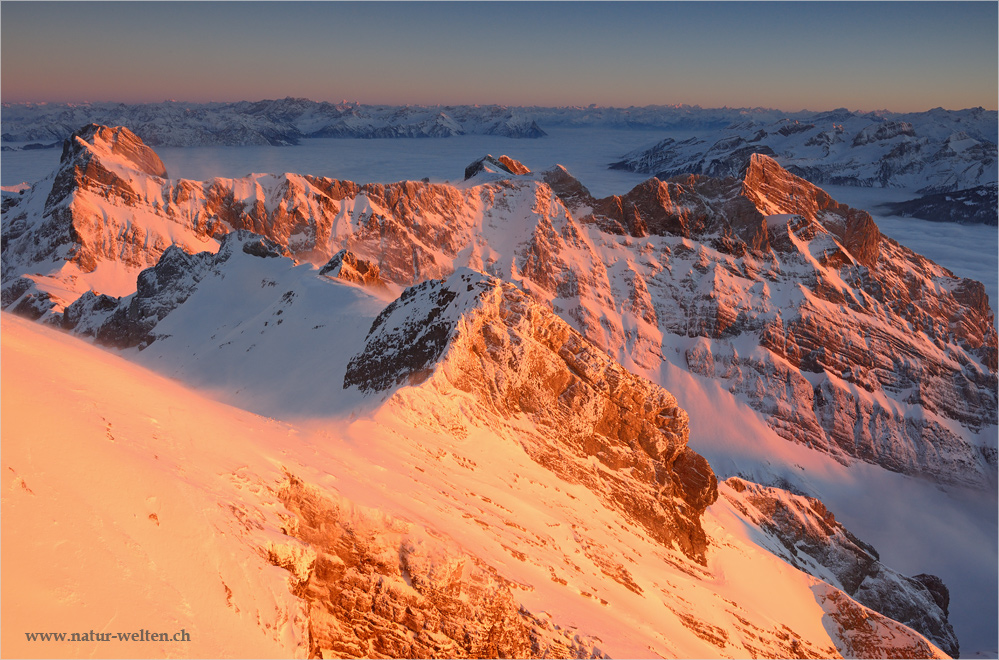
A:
[(948, 156), (937, 151), (285, 121), (976, 205), (535, 328)]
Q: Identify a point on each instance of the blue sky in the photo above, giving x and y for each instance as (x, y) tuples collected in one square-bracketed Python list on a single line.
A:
[(902, 56)]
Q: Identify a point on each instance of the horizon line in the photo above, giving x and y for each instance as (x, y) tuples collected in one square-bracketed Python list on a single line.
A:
[(593, 106)]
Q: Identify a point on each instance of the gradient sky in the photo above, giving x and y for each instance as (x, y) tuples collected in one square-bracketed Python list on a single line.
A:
[(901, 56)]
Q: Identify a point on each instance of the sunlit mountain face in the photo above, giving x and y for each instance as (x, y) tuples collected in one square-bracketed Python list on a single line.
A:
[(719, 415)]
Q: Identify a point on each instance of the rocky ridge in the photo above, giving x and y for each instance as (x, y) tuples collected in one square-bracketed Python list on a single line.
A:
[(346, 266), (375, 586), (493, 165), (131, 321), (807, 535), (812, 280), (361, 539)]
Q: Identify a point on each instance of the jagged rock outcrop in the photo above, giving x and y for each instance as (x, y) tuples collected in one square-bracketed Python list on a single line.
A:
[(380, 588), (345, 265), (120, 142), (823, 293), (773, 190), (863, 633), (489, 164), (808, 536), (108, 203), (479, 336), (96, 163)]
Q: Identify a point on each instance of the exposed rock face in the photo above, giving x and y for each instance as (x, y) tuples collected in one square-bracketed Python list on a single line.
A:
[(390, 591), (485, 338), (372, 584), (773, 190), (847, 342), (108, 203), (862, 633), (824, 293), (21, 296), (346, 266), (97, 161), (119, 142), (808, 536), (96, 210), (690, 207)]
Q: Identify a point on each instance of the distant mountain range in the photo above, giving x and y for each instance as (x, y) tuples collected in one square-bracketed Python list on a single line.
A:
[(278, 122), (285, 121)]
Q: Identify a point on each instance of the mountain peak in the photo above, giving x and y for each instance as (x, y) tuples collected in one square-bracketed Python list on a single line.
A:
[(476, 338), (775, 191), (496, 165), (118, 144)]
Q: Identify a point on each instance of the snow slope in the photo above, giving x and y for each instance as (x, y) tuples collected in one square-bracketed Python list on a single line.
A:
[(119, 493), (140, 504)]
